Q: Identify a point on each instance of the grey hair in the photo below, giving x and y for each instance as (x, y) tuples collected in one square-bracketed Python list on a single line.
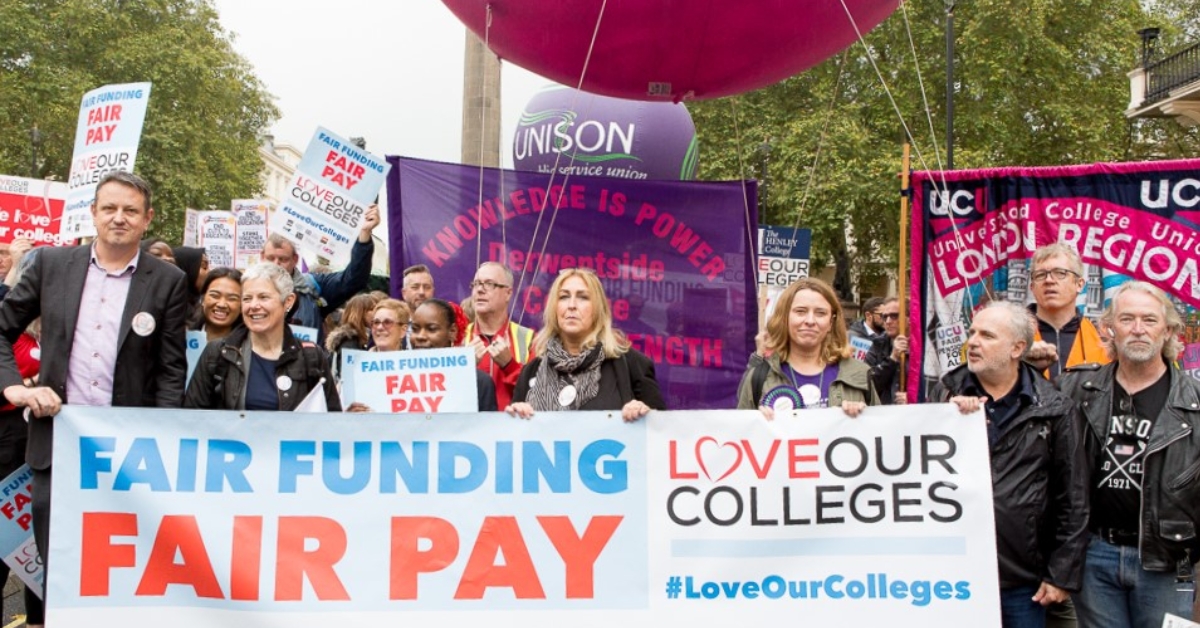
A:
[(1172, 346), (127, 179), (275, 274), (508, 275), (1021, 322), (1059, 248), (277, 241)]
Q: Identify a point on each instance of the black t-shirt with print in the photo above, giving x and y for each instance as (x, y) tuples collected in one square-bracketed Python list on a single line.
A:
[(1117, 486)]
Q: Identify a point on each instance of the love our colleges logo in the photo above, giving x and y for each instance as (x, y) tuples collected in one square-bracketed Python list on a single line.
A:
[(812, 481)]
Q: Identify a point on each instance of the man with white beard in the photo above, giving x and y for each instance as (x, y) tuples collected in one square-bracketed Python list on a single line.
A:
[(1142, 439)]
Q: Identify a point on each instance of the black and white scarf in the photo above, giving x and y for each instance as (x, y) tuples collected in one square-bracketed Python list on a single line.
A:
[(560, 369)]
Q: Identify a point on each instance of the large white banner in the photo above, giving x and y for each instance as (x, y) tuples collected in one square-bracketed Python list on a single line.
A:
[(106, 138), (705, 518)]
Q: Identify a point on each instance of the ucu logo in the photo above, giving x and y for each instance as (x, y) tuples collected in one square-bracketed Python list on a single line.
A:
[(1182, 193), (959, 202)]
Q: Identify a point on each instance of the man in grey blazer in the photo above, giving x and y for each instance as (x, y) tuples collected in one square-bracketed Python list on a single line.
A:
[(113, 328)]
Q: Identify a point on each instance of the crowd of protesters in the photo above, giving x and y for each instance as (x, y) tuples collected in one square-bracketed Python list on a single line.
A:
[(1094, 431)]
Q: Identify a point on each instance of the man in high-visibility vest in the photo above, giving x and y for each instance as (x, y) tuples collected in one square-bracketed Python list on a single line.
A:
[(501, 346), (1064, 337)]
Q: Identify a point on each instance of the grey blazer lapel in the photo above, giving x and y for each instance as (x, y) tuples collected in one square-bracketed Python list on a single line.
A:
[(139, 287)]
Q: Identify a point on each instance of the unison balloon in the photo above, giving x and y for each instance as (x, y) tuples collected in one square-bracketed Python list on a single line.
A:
[(669, 49), (605, 136)]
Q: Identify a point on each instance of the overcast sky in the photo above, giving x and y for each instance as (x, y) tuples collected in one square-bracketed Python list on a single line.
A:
[(389, 71)]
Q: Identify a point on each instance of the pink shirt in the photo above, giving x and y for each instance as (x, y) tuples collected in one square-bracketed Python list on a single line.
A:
[(97, 330)]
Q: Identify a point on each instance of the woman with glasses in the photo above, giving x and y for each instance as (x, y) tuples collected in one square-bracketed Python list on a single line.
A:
[(583, 362), (262, 366), (389, 325), (809, 365)]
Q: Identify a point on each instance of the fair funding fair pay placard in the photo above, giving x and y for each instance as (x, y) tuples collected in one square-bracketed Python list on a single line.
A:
[(106, 139), (324, 204)]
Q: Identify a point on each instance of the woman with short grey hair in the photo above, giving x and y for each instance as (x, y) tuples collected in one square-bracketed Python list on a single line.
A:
[(262, 365)]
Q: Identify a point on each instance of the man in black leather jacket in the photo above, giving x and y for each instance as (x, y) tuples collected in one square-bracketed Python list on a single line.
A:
[(1038, 467), (1143, 445)]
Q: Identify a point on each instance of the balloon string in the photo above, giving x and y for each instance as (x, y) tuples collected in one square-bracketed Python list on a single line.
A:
[(483, 94), (907, 132), (812, 173), (737, 138), (550, 184)]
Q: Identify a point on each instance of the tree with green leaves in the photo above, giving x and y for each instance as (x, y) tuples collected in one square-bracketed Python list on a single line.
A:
[(1037, 83), (207, 110)]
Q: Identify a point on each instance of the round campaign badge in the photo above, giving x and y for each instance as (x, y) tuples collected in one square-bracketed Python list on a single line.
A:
[(283, 382), (567, 395), (143, 324), (811, 395), (782, 399)]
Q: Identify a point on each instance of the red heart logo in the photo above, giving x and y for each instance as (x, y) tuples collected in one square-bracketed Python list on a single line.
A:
[(717, 456)]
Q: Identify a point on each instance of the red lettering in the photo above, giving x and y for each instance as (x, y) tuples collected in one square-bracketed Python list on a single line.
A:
[(179, 534), (245, 558), (578, 553), (500, 534), (293, 563), (794, 458), (408, 562), (97, 553), (673, 456), (760, 470)]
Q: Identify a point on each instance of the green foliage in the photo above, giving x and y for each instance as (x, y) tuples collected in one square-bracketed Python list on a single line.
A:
[(207, 110), (1041, 82)]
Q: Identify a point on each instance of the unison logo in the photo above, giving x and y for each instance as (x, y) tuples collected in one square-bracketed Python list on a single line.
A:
[(555, 131)]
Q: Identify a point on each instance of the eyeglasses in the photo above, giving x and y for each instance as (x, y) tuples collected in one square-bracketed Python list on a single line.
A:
[(1059, 274), (385, 323), (890, 317), (487, 285)]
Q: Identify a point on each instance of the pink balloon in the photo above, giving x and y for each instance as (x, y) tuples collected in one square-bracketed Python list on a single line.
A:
[(670, 49)]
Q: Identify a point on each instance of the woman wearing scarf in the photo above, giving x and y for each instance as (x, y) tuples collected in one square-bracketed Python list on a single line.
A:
[(584, 363)]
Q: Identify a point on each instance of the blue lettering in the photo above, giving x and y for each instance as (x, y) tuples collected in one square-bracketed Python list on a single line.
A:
[(185, 479), (607, 476), (448, 455), (143, 465), (91, 464), (227, 460), (414, 472), (535, 462), (332, 463), (504, 467), (290, 464)]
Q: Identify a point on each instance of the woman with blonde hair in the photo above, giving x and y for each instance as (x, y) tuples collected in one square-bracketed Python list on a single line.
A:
[(389, 325), (809, 363), (583, 362)]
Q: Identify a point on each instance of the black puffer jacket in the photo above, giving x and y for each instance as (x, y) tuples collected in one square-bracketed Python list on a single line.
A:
[(1171, 477), (219, 382), (1039, 487)]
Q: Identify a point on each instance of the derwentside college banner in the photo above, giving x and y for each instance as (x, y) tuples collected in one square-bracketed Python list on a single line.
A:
[(974, 233), (675, 258), (683, 518)]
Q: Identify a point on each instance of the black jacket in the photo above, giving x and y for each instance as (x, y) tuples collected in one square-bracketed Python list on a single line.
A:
[(219, 382), (884, 370), (1039, 487), (622, 380), (1171, 476)]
